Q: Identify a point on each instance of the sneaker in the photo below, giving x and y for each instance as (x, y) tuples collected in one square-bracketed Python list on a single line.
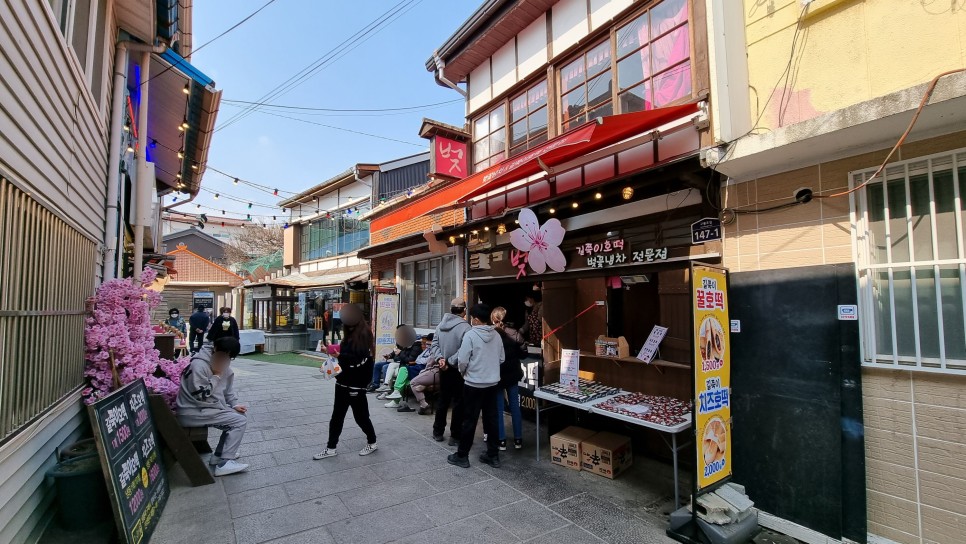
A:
[(405, 408), (425, 411), (325, 454), (438, 437), (392, 404), (502, 445), (369, 448), (230, 467), (395, 395), (372, 387), (453, 441), (493, 461), (455, 459), (518, 443), (485, 438), (215, 460), (384, 389), (382, 396)]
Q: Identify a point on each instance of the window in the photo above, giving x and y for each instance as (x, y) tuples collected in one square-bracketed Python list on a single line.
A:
[(333, 235), (528, 118), (80, 31), (80, 22), (653, 58), (586, 87), (489, 138), (427, 287), (650, 57), (912, 264)]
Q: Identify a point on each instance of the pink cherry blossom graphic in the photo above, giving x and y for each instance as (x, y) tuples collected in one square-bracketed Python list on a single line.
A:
[(540, 243)]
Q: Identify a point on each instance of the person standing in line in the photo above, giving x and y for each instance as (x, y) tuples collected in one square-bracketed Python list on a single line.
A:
[(446, 342), (511, 372), (206, 398), (337, 324), (199, 325), (224, 325), (479, 359), (355, 358), (532, 329)]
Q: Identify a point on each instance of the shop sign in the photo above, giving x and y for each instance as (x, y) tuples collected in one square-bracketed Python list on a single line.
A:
[(451, 159), (570, 370), (705, 230), (649, 255), (649, 350), (205, 299), (712, 379), (848, 312), (537, 246), (387, 315)]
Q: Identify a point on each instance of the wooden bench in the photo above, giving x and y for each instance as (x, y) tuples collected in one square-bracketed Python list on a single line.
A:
[(185, 444), (199, 438)]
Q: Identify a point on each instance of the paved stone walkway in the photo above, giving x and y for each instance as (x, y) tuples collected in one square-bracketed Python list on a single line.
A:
[(405, 492)]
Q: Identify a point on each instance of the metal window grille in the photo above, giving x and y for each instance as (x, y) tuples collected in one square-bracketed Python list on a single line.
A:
[(46, 274), (427, 287), (911, 256)]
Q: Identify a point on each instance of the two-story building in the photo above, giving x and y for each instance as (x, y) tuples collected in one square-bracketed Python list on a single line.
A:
[(102, 115), (842, 126)]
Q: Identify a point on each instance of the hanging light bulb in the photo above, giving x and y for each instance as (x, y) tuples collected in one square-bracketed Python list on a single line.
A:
[(178, 175), (249, 205), (462, 235), (628, 193), (222, 212), (181, 153), (174, 199), (130, 148), (598, 196), (223, 223), (501, 229), (184, 123), (273, 218), (194, 166), (452, 239), (198, 206), (249, 217), (216, 196), (487, 229), (553, 211), (243, 226), (187, 88), (127, 126), (574, 205), (236, 181), (154, 144), (276, 192), (285, 226)]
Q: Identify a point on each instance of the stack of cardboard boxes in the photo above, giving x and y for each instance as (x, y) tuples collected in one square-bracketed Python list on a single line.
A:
[(606, 454)]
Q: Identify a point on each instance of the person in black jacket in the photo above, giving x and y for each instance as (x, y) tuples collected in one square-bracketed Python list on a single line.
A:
[(224, 325), (198, 324), (355, 358), (511, 372)]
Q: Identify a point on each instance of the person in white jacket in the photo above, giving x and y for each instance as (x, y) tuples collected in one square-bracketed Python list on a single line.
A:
[(479, 359)]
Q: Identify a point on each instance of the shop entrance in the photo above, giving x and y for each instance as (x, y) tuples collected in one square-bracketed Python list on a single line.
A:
[(508, 295)]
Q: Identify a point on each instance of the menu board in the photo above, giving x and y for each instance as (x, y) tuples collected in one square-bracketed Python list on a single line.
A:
[(570, 370), (131, 459), (712, 374), (387, 317)]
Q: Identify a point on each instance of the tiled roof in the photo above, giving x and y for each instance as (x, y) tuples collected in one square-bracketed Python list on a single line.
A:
[(192, 267)]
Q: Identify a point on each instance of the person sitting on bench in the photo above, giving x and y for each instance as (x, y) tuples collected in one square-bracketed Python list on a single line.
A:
[(206, 398)]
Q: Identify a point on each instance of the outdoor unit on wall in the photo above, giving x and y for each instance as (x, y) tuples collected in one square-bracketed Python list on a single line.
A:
[(632, 280)]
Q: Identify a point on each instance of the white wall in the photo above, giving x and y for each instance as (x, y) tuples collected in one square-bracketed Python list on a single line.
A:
[(480, 86), (569, 24), (602, 11)]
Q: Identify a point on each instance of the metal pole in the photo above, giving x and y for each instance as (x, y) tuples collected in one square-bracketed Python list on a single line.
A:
[(141, 191)]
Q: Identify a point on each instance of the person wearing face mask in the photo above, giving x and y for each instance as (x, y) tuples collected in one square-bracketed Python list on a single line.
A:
[(532, 329), (355, 358), (175, 321), (224, 325)]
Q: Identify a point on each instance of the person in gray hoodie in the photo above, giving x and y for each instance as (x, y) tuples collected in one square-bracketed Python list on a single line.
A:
[(446, 342), (479, 358), (206, 398)]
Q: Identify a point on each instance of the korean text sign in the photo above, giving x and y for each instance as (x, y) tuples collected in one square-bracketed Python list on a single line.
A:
[(387, 317), (712, 374), (451, 157), (131, 458)]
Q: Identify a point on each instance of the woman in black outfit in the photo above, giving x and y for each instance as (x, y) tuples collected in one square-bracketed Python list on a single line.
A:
[(224, 325), (355, 358)]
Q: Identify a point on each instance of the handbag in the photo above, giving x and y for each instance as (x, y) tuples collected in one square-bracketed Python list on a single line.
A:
[(330, 368)]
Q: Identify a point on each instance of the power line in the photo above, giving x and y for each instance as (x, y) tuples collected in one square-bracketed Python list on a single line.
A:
[(209, 42), (305, 108), (342, 129), (326, 59)]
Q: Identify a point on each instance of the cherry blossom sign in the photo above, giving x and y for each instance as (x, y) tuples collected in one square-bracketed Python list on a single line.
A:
[(538, 246), (451, 159)]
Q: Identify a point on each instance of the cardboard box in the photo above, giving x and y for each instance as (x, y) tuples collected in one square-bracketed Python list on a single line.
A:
[(606, 454), (565, 446)]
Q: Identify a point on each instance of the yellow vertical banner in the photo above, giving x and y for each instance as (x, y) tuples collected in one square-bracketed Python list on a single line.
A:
[(712, 374)]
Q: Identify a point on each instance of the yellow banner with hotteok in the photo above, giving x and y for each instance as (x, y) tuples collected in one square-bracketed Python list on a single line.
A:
[(712, 374)]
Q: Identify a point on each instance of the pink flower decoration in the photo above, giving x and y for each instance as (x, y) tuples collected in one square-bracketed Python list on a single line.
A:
[(541, 243)]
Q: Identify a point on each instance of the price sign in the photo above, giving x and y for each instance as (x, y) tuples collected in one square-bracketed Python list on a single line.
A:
[(131, 460), (705, 230)]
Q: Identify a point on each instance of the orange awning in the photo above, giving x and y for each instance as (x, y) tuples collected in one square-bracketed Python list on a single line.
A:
[(580, 141)]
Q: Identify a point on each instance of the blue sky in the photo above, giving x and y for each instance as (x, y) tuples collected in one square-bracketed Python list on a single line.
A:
[(387, 71)]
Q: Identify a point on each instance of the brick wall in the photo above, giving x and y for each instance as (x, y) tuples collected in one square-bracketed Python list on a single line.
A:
[(418, 225), (388, 262), (811, 234)]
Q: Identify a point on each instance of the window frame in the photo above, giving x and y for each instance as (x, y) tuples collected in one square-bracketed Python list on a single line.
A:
[(610, 37), (406, 285), (488, 116), (529, 140), (869, 269)]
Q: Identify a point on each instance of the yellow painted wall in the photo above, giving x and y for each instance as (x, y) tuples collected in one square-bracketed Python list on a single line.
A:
[(849, 51)]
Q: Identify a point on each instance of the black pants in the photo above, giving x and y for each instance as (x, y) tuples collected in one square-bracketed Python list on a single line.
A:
[(476, 400), (450, 393), (344, 399), (195, 340)]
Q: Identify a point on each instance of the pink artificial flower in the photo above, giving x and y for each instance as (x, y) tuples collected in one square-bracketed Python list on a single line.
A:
[(541, 243)]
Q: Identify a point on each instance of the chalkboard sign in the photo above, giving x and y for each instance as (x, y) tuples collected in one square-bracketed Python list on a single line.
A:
[(131, 459)]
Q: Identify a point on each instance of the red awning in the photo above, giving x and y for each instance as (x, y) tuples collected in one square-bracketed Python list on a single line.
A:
[(580, 141)]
